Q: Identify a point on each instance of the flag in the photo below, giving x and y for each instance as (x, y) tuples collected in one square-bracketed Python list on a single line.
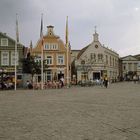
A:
[(17, 32), (41, 30), (67, 40), (16, 42)]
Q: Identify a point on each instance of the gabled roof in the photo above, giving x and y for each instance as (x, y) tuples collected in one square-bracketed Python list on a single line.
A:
[(5, 35), (137, 56), (82, 51), (125, 56), (128, 56)]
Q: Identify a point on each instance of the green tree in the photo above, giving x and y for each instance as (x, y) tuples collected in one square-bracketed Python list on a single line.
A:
[(30, 66)]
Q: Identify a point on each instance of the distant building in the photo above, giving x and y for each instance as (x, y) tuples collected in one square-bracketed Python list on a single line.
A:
[(55, 56), (95, 61), (74, 54), (7, 55), (130, 66)]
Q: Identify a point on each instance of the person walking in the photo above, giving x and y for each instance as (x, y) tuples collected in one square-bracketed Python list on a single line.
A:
[(106, 81), (62, 81), (101, 81)]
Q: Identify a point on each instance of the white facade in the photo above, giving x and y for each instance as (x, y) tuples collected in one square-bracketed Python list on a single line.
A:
[(96, 61), (130, 67)]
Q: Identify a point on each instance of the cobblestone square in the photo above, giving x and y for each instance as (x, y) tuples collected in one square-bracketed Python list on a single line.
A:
[(77, 113)]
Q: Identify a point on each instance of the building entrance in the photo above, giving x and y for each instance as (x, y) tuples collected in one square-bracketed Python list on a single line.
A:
[(60, 75), (96, 75)]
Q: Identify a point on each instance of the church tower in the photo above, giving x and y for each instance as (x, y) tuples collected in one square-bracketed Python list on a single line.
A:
[(95, 36)]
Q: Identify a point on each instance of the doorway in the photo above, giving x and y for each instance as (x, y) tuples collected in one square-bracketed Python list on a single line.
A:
[(96, 75), (60, 75)]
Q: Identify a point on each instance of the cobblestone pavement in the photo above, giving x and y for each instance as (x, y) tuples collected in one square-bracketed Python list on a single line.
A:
[(77, 113)]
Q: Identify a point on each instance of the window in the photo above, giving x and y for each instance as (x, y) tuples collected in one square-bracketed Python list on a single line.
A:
[(4, 58), (4, 42), (100, 57), (51, 46), (49, 75), (110, 61), (130, 66), (13, 58), (84, 76), (49, 60), (135, 66), (106, 59), (19, 77), (124, 68), (60, 60), (92, 56), (47, 47), (113, 62), (37, 59)]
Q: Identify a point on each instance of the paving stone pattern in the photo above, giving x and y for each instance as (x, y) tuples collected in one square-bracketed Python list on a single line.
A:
[(77, 113)]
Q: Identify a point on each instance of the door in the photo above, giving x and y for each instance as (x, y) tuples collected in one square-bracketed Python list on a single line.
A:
[(96, 75)]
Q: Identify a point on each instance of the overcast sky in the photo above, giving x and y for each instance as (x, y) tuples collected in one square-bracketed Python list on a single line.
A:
[(117, 21)]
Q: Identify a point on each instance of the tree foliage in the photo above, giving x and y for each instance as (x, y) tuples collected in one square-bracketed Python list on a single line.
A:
[(30, 66)]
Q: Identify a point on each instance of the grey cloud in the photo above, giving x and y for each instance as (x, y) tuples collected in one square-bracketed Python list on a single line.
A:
[(117, 21)]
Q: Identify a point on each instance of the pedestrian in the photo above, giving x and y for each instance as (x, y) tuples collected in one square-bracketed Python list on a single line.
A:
[(27, 84), (106, 81), (62, 81), (101, 81)]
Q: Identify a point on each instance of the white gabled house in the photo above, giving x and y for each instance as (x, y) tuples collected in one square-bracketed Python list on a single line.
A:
[(130, 67), (95, 61)]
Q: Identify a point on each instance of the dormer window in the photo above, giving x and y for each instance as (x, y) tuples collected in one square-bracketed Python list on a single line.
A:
[(51, 46)]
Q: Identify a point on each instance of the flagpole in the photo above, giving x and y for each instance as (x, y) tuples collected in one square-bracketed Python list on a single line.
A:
[(67, 47), (42, 79), (41, 37), (15, 65), (16, 41)]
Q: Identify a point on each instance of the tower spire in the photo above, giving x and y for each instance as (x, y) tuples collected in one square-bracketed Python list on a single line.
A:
[(95, 27), (95, 35)]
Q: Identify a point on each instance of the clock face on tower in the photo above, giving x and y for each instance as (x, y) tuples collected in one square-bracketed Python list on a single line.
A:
[(96, 46)]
